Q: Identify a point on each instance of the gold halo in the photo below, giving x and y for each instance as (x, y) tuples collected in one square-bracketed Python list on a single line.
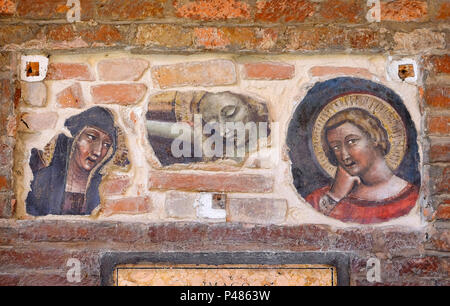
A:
[(387, 115)]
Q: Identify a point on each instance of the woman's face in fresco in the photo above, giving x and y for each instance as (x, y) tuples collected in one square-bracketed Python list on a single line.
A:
[(354, 150), (91, 147)]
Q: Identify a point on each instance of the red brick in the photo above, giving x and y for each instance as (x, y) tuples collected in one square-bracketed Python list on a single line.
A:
[(130, 10), (164, 35), (404, 10), (123, 94), (52, 9), (439, 179), (318, 71), (129, 205), (121, 69), (7, 279), (115, 185), (223, 182), (419, 40), (104, 34), (268, 71), (284, 10), (6, 206), (438, 96), (38, 121), (364, 39), (71, 97), (207, 73), (342, 10), (5, 154), (439, 150), (34, 93), (66, 71), (440, 63), (256, 210), (438, 125), (315, 38), (7, 7), (439, 240), (61, 32), (208, 10), (443, 211), (4, 183), (444, 11)]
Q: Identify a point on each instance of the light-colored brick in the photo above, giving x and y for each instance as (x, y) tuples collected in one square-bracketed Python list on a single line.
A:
[(71, 97), (207, 73), (180, 204), (123, 94), (318, 71), (34, 93), (256, 210), (268, 71), (66, 71), (115, 185), (121, 69), (222, 182)]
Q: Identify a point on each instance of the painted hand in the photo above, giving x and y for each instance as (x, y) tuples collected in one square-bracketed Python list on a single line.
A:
[(343, 184)]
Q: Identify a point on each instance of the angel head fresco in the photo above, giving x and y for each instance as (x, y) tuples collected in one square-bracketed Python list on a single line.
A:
[(359, 142), (69, 183)]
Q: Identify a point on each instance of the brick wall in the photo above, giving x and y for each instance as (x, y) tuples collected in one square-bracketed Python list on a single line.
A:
[(123, 53)]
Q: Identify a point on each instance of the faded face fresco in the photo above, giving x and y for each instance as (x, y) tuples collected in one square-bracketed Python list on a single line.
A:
[(91, 147), (353, 149)]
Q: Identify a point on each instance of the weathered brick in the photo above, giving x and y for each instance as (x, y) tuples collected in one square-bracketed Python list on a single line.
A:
[(123, 94), (18, 33), (6, 205), (419, 40), (342, 11), (115, 185), (313, 39), (439, 240), (5, 183), (224, 182), (6, 152), (318, 71), (438, 125), (207, 10), (284, 10), (404, 10), (9, 279), (439, 150), (121, 69), (231, 38), (71, 97), (38, 121), (439, 63), (268, 71), (54, 9), (180, 204), (7, 7), (207, 73), (66, 71), (438, 96), (104, 34), (256, 210), (127, 205), (34, 93), (130, 10), (164, 35)]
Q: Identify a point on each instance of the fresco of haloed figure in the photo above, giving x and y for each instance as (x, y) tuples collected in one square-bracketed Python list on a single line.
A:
[(365, 153), (69, 183)]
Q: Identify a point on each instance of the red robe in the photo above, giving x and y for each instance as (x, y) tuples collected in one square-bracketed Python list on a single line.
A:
[(352, 209)]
